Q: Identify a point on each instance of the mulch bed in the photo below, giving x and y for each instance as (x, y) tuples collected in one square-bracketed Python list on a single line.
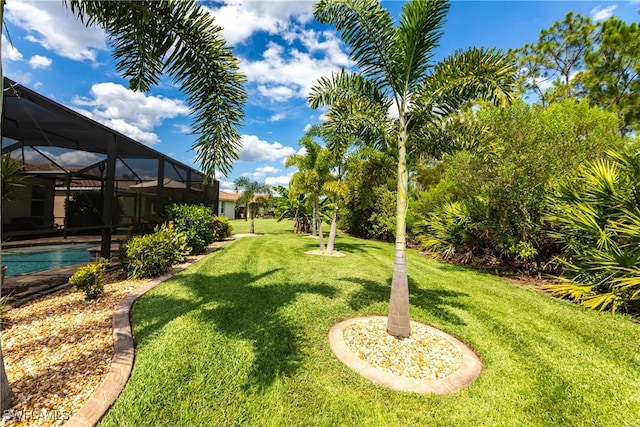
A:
[(58, 349)]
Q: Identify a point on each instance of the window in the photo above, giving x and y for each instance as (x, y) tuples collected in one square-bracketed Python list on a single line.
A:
[(37, 200)]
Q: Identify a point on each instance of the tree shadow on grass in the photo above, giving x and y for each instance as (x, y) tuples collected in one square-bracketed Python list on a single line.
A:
[(439, 302), (239, 306)]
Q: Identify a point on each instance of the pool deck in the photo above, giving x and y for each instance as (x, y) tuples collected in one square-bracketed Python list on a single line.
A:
[(25, 287)]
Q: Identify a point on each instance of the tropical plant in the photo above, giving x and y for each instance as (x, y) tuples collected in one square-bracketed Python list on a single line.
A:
[(152, 255), (255, 195), (11, 177), (314, 169), (595, 217), (397, 68), (293, 207), (88, 278), (196, 221)]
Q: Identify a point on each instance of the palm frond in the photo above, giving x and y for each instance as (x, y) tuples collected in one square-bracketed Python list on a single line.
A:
[(416, 39), (465, 76), (367, 28), (180, 37)]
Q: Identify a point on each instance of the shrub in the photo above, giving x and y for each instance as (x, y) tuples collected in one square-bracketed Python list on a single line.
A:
[(152, 255), (89, 278), (595, 217), (221, 227), (196, 221)]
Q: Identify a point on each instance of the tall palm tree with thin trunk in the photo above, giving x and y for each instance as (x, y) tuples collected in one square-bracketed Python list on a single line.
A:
[(314, 169), (397, 68), (254, 195), (178, 38)]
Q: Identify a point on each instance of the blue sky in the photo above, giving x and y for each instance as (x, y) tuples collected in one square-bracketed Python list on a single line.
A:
[(281, 50)]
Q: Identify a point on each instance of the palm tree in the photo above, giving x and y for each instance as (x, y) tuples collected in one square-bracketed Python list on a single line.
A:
[(397, 68), (293, 207), (180, 38), (314, 169), (253, 197)]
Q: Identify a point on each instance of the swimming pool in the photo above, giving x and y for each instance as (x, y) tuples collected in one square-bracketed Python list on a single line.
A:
[(40, 258)]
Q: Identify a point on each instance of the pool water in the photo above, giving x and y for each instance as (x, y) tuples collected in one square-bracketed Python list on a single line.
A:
[(40, 258)]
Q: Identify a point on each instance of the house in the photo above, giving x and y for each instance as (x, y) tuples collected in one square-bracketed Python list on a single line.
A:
[(227, 204)]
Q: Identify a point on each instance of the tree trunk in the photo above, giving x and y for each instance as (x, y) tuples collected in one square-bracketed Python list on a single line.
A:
[(314, 223), (399, 322), (252, 229), (5, 390), (334, 227), (316, 207)]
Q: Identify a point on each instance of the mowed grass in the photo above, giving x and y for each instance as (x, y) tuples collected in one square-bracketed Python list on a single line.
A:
[(240, 338)]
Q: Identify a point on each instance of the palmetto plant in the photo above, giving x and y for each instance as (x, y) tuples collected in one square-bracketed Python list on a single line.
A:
[(595, 216), (397, 68)]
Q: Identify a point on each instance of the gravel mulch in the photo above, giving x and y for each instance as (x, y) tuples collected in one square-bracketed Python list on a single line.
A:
[(57, 350), (424, 355)]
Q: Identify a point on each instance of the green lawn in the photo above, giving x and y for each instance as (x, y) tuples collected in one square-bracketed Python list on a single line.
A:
[(240, 338)]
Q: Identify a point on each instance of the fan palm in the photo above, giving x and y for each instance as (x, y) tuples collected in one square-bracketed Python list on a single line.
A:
[(180, 38), (396, 68)]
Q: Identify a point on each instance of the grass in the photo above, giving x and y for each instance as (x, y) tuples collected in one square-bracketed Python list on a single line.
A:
[(241, 338)]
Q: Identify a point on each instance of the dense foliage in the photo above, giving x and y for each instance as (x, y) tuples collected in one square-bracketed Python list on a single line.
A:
[(490, 202), (195, 221), (152, 255), (595, 217)]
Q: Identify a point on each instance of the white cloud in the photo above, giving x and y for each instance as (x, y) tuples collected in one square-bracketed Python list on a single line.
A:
[(284, 73), (134, 114), (279, 180), (307, 127), (265, 170), (254, 149), (9, 52), (277, 117), (52, 26), (75, 158), (38, 61), (240, 20), (599, 13)]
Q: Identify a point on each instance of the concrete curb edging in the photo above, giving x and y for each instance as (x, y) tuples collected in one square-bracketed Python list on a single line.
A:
[(465, 375), (124, 352)]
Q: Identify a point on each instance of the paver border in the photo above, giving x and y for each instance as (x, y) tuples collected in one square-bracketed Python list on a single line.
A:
[(465, 375), (124, 351)]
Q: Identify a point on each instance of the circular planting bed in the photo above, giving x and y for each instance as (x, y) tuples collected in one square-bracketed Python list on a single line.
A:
[(429, 361)]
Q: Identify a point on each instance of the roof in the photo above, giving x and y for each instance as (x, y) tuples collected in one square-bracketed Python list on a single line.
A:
[(228, 197)]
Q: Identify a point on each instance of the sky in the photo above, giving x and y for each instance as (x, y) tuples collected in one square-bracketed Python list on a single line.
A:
[(280, 48)]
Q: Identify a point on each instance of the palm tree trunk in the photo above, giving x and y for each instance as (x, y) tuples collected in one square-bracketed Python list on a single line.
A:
[(314, 223), (5, 390), (399, 322), (334, 228), (316, 207), (252, 229)]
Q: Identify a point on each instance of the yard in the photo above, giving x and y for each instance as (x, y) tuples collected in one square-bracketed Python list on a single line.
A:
[(241, 338)]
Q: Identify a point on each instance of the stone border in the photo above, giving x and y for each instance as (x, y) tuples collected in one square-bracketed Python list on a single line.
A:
[(124, 352), (465, 375)]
